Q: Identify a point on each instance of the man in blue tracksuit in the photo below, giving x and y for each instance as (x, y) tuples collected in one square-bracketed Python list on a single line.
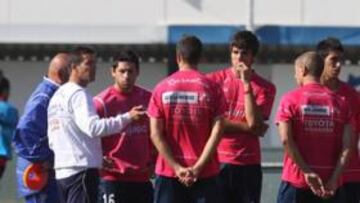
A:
[(30, 138), (8, 120)]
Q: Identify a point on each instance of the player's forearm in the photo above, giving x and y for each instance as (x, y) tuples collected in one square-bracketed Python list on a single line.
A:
[(252, 113), (296, 156), (89, 122), (94, 126), (291, 147), (211, 145), (341, 163), (344, 156), (156, 128), (231, 126), (164, 150)]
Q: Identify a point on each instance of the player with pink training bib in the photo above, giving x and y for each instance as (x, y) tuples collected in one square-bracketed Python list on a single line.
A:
[(186, 111), (314, 129), (129, 154), (249, 99), (240, 148), (332, 51)]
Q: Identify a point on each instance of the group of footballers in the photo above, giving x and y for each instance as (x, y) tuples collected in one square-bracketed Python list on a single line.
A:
[(198, 133)]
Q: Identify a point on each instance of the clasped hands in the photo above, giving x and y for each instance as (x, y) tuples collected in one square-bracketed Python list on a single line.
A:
[(317, 186), (187, 175)]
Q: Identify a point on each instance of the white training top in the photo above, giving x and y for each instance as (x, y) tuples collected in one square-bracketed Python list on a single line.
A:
[(74, 130)]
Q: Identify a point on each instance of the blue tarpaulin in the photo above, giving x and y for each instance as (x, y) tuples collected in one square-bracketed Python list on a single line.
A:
[(306, 35), (268, 35), (211, 34)]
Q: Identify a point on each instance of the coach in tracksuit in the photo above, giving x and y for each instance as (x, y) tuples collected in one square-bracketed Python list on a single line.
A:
[(30, 139)]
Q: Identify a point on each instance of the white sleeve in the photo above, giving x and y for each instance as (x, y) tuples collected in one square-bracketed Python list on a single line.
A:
[(89, 122)]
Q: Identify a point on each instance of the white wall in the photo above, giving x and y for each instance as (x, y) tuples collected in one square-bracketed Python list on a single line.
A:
[(213, 12), (4, 11), (81, 21), (307, 12), (84, 12), (139, 21), (156, 12)]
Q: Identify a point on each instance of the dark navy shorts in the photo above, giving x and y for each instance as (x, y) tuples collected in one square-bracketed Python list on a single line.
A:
[(170, 190), (240, 184), (352, 192), (79, 188), (125, 192), (3, 161), (2, 170), (290, 194)]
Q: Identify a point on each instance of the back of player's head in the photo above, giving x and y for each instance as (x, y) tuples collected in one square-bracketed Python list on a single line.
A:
[(76, 55), (245, 40), (190, 49), (313, 63), (328, 45), (4, 85), (126, 56)]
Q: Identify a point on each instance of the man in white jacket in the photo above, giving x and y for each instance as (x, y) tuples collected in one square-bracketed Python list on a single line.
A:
[(74, 131)]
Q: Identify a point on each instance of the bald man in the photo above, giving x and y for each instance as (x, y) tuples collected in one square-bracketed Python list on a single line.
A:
[(314, 127), (30, 139)]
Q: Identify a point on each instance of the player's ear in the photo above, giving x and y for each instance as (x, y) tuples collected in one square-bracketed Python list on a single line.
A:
[(113, 69), (179, 58), (304, 70)]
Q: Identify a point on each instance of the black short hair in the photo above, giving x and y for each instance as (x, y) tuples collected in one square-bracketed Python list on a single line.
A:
[(4, 85), (126, 56), (245, 40), (190, 49), (76, 55), (324, 47)]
